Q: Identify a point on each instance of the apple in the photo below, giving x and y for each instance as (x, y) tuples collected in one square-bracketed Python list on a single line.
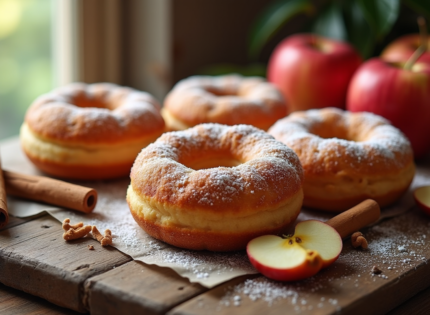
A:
[(400, 95), (312, 71), (403, 47), (313, 246), (422, 198)]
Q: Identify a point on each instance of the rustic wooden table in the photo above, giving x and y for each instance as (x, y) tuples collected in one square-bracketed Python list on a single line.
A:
[(35, 259)]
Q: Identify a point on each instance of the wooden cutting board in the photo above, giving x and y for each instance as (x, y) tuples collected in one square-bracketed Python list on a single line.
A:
[(34, 258)]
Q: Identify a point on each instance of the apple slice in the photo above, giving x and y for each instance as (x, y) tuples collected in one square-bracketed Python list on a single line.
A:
[(313, 246), (422, 198)]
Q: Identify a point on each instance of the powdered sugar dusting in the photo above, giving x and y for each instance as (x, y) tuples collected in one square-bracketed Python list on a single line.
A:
[(95, 113), (230, 99), (368, 139), (264, 289), (396, 247), (269, 169), (112, 212), (202, 265)]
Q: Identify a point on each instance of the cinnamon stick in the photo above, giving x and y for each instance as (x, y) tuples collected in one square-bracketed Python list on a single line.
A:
[(356, 218), (4, 214), (52, 191)]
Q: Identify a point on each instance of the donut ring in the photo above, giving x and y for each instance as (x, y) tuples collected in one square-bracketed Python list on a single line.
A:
[(91, 131), (347, 157), (229, 100), (181, 195)]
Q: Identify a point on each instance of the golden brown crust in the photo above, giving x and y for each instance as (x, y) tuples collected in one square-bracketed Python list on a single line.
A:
[(196, 239), (270, 173), (90, 131), (341, 204), (228, 100), (94, 113), (168, 193), (92, 172), (347, 157)]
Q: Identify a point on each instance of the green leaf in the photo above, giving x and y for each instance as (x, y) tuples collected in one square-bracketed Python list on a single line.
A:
[(272, 19), (360, 34), (380, 14), (330, 23), (419, 6)]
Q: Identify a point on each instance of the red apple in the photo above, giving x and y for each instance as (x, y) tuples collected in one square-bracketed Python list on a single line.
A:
[(422, 198), (313, 246), (403, 47), (312, 71), (401, 96)]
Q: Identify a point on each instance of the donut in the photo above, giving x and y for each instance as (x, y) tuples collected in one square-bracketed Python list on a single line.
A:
[(347, 157), (228, 100), (215, 187), (90, 131)]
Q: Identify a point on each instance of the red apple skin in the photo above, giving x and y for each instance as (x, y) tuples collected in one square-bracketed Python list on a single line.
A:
[(308, 269), (401, 96), (311, 77), (424, 207), (403, 47)]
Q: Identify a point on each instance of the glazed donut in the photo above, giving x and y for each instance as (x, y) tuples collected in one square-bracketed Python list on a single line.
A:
[(347, 157), (91, 131), (215, 187), (229, 100)]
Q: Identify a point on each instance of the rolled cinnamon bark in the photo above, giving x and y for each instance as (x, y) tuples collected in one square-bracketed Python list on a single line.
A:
[(52, 191), (4, 214), (356, 218)]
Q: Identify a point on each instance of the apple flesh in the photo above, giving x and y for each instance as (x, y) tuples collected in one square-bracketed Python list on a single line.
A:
[(314, 245), (422, 198), (403, 47), (401, 96), (312, 71)]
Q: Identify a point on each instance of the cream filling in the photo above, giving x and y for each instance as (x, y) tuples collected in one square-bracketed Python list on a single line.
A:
[(169, 215), (343, 186), (90, 155)]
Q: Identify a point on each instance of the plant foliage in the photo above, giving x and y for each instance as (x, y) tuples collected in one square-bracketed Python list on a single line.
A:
[(363, 23)]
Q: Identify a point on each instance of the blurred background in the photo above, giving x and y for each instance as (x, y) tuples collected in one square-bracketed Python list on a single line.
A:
[(151, 44), (25, 59)]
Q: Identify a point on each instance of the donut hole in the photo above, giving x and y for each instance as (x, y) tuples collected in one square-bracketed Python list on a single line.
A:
[(212, 162), (84, 101), (332, 131), (221, 92)]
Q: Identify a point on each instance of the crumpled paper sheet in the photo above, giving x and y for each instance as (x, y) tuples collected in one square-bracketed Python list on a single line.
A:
[(112, 212), (206, 268)]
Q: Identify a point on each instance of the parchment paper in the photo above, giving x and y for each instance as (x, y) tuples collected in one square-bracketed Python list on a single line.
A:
[(112, 212)]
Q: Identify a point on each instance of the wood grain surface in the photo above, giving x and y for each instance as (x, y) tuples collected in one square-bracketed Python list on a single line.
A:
[(15, 302), (347, 287), (135, 288), (14, 221), (35, 259)]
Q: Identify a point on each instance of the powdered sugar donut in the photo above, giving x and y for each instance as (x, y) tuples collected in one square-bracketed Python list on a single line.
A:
[(215, 187), (90, 131), (347, 157), (229, 100)]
